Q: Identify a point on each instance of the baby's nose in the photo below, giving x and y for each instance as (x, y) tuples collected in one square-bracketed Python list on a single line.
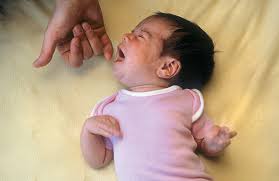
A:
[(127, 37)]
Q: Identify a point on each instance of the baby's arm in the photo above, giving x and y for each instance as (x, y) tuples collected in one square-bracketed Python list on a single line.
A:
[(92, 142), (211, 139)]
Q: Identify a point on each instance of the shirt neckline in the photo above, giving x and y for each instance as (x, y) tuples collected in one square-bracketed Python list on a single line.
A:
[(150, 93)]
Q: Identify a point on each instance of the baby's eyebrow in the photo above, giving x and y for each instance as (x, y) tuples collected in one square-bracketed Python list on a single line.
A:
[(147, 32)]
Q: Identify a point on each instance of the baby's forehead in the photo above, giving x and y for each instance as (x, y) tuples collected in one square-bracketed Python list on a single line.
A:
[(150, 20), (155, 25)]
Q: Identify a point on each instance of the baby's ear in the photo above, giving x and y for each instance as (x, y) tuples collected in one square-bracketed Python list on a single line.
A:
[(168, 68)]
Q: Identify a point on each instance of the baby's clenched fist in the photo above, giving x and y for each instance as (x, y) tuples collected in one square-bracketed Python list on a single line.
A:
[(104, 125), (216, 140)]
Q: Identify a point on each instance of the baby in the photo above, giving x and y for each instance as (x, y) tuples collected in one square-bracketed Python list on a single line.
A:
[(153, 128)]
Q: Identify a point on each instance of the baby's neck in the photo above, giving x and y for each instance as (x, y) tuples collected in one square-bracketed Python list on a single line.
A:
[(144, 88)]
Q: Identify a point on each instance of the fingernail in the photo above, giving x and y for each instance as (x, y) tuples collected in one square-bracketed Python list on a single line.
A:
[(35, 63), (86, 26)]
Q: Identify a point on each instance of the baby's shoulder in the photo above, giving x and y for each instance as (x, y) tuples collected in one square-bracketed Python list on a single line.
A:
[(189, 94), (102, 103)]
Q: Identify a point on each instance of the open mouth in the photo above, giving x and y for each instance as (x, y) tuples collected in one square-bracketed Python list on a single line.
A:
[(120, 55)]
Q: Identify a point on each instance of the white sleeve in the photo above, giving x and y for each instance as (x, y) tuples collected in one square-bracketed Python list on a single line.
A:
[(94, 110), (198, 100)]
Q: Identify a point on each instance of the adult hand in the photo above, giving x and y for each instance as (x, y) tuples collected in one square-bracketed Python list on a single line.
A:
[(74, 50)]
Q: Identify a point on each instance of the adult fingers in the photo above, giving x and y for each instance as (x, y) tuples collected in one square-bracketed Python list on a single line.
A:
[(108, 49), (71, 52), (64, 50), (64, 47), (75, 55), (107, 45), (86, 48), (93, 39), (47, 50)]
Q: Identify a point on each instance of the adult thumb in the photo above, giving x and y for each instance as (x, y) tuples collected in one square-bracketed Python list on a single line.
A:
[(47, 51)]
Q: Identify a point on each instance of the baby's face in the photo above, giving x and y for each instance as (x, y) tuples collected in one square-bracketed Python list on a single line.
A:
[(138, 55)]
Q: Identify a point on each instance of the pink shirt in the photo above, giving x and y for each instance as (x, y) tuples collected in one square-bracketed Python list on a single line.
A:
[(157, 142)]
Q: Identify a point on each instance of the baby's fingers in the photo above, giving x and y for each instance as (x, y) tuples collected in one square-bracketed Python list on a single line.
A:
[(226, 143), (111, 126), (224, 132), (232, 134), (113, 130), (87, 50), (225, 135), (103, 132)]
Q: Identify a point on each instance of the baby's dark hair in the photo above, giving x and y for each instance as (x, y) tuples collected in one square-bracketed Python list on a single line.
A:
[(192, 47)]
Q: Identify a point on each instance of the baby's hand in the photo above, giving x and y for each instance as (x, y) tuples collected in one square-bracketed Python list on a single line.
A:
[(216, 140), (104, 125)]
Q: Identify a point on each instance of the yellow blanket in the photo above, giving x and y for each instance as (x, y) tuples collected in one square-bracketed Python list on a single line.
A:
[(42, 110)]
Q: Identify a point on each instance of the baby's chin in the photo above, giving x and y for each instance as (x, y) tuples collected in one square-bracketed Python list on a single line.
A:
[(118, 75)]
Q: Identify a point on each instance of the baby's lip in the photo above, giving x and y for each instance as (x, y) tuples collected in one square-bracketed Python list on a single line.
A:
[(120, 56)]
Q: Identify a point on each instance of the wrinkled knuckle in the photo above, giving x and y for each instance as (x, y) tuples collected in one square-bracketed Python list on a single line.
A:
[(75, 64), (100, 125), (90, 33), (106, 116), (114, 121), (220, 142), (86, 57)]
